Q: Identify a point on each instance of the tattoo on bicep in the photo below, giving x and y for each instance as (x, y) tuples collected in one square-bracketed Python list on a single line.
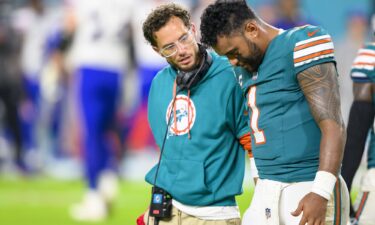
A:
[(320, 86)]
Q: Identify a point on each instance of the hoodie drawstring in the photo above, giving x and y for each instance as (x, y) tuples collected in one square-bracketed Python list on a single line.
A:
[(174, 105), (174, 109), (188, 114)]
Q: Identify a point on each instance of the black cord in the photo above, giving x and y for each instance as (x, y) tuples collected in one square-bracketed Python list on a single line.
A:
[(156, 221), (165, 137)]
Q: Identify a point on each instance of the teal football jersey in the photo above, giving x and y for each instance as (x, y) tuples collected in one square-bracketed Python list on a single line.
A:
[(285, 136), (363, 72)]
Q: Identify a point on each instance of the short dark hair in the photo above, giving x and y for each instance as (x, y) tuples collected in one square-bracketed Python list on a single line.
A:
[(160, 16), (222, 18)]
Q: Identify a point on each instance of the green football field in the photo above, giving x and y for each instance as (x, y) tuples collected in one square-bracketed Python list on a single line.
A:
[(44, 201)]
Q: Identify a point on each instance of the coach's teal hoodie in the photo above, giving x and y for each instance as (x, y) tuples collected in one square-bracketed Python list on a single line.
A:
[(203, 161)]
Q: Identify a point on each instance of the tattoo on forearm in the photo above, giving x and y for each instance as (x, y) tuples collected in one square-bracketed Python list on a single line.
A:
[(320, 86)]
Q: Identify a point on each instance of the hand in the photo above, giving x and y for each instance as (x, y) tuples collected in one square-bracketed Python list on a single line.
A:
[(314, 209)]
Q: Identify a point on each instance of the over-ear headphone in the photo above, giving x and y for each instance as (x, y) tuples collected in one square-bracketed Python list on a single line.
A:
[(191, 78)]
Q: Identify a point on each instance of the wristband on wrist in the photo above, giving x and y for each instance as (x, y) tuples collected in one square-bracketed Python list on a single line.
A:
[(324, 183)]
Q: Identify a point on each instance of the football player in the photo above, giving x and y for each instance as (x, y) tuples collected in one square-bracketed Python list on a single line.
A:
[(360, 123), (298, 135)]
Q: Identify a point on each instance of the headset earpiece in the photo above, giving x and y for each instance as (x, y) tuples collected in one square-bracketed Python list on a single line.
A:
[(186, 80)]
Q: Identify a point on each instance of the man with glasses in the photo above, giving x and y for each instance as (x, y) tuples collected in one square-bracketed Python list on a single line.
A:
[(196, 114)]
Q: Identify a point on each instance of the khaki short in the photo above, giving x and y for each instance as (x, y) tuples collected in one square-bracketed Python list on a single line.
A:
[(180, 218)]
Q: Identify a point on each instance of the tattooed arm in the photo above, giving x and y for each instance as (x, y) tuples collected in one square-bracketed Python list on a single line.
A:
[(320, 87)]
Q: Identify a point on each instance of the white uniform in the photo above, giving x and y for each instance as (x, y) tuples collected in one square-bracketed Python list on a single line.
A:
[(98, 40), (274, 201)]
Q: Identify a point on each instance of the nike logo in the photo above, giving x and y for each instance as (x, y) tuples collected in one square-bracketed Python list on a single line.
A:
[(310, 34)]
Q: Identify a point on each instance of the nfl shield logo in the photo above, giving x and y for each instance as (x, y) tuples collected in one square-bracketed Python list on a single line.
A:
[(268, 213)]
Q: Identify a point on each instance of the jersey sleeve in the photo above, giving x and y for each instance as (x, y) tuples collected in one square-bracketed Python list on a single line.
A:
[(312, 46), (363, 66)]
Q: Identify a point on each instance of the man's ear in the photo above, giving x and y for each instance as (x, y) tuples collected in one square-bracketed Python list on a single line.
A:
[(252, 29), (193, 29)]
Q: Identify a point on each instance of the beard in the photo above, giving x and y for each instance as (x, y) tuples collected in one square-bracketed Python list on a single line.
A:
[(173, 61), (252, 62)]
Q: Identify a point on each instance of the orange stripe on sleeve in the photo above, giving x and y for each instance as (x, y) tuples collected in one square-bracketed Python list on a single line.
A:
[(363, 64), (366, 54), (313, 55), (326, 40)]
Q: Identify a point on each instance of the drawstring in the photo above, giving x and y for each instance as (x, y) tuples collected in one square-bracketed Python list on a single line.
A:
[(174, 109), (188, 109), (174, 105)]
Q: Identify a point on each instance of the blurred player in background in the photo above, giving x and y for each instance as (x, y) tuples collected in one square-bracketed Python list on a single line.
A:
[(346, 50), (290, 80), (34, 23), (10, 83), (100, 58), (361, 122)]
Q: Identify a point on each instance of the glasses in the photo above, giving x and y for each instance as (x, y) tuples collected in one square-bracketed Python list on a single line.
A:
[(171, 49)]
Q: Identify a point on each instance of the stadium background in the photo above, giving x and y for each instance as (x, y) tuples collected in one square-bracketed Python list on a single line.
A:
[(44, 196)]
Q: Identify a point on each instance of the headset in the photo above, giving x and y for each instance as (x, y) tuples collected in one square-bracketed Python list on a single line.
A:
[(186, 80), (161, 201)]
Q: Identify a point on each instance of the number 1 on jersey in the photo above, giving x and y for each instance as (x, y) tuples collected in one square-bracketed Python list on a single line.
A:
[(258, 134)]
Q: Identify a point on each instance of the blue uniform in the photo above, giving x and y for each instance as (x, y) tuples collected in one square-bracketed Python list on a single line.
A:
[(99, 55), (285, 137)]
